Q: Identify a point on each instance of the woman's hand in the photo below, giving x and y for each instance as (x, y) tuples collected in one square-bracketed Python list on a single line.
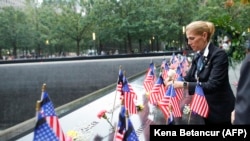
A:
[(176, 84)]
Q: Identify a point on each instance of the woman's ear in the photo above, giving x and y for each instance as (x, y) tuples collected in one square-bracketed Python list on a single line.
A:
[(204, 35)]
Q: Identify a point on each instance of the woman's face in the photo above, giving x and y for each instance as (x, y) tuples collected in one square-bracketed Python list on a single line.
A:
[(195, 41)]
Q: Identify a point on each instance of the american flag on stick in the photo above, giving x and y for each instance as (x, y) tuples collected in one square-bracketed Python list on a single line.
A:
[(174, 102), (165, 71), (47, 113), (174, 61), (199, 103), (150, 78), (130, 96), (42, 129), (125, 130), (185, 66), (158, 90), (170, 98)]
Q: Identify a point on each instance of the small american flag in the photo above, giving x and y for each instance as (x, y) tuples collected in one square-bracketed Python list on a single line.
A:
[(178, 72), (165, 71), (199, 103), (47, 111), (174, 61), (158, 91), (164, 61), (125, 130), (173, 58), (173, 101), (185, 65), (130, 97), (150, 78), (121, 125)]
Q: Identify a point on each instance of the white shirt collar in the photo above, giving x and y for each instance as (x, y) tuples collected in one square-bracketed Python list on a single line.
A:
[(206, 51)]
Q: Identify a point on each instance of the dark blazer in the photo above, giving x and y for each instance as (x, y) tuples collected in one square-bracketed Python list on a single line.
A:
[(242, 103), (214, 80)]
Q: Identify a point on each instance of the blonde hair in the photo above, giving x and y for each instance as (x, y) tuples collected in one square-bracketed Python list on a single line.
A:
[(211, 27), (199, 27)]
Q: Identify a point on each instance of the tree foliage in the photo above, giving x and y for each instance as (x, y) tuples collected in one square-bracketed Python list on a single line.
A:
[(56, 27)]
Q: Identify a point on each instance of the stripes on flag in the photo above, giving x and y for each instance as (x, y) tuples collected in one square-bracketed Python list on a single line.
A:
[(164, 107), (119, 135), (174, 102), (150, 78), (129, 102), (158, 91), (130, 97), (179, 91), (199, 103), (148, 82), (170, 99), (55, 125)]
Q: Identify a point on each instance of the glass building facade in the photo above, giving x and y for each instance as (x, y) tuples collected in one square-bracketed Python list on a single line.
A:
[(14, 3)]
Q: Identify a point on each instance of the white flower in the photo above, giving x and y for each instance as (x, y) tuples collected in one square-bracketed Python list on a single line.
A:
[(186, 109)]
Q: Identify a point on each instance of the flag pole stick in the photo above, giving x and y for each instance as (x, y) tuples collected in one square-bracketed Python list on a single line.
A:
[(115, 94), (43, 90), (171, 110), (44, 87), (126, 119), (189, 116), (38, 102), (38, 107), (169, 114)]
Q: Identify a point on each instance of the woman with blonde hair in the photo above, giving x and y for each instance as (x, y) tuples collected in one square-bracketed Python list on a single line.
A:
[(209, 70)]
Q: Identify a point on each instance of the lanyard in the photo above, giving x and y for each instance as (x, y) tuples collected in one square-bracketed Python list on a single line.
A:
[(199, 66)]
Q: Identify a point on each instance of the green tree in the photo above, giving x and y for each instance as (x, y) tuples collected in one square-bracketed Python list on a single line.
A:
[(229, 19), (127, 25), (73, 22), (13, 29)]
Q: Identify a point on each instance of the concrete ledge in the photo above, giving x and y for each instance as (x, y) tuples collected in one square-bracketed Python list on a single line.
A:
[(17, 130), (27, 126), (167, 53)]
